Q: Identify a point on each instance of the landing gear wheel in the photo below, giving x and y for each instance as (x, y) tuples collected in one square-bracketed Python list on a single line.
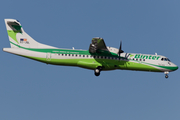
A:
[(97, 71), (166, 76)]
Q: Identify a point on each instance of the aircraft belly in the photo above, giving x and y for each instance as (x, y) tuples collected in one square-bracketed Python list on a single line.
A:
[(94, 63), (88, 64)]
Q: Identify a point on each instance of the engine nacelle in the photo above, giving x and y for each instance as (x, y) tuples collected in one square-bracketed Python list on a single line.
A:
[(112, 49)]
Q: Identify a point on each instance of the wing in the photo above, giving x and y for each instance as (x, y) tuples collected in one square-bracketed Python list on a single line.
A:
[(97, 45)]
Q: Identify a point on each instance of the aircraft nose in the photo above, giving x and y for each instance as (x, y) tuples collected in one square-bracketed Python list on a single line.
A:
[(175, 67)]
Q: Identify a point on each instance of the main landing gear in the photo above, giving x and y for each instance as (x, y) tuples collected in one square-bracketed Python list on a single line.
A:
[(166, 74), (97, 71)]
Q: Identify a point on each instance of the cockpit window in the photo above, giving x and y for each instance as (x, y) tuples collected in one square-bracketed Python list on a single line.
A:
[(165, 59)]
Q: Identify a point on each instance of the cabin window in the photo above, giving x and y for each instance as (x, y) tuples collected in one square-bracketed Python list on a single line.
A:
[(133, 58), (72, 54), (139, 59), (143, 59), (136, 59), (65, 54), (69, 54), (83, 55), (87, 56), (79, 55)]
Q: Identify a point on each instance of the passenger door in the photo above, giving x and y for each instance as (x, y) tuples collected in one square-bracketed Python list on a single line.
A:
[(48, 56)]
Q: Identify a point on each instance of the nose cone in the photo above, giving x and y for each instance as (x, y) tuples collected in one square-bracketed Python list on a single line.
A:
[(174, 67)]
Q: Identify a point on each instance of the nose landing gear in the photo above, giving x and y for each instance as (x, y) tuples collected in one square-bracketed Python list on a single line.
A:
[(166, 74)]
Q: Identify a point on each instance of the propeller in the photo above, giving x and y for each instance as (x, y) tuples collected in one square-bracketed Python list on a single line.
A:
[(120, 50)]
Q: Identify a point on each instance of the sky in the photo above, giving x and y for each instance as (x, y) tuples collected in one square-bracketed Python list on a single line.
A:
[(30, 90)]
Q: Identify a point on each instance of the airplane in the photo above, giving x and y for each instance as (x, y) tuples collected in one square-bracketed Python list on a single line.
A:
[(99, 57)]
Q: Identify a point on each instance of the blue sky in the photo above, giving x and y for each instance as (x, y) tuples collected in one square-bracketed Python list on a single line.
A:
[(30, 90)]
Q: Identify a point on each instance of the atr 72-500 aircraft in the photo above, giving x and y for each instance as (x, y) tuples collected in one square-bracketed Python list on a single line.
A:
[(99, 57)]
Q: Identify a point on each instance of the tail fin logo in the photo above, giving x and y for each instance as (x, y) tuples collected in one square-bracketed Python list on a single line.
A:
[(24, 40)]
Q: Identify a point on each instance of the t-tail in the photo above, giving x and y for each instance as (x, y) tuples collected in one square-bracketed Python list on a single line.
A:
[(19, 38)]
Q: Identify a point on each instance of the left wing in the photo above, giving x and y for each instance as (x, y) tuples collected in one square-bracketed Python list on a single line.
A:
[(97, 45)]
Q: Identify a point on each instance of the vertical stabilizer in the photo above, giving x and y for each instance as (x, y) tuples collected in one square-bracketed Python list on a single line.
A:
[(19, 38)]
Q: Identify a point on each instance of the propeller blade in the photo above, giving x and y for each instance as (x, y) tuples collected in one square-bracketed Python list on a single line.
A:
[(120, 45), (120, 50)]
